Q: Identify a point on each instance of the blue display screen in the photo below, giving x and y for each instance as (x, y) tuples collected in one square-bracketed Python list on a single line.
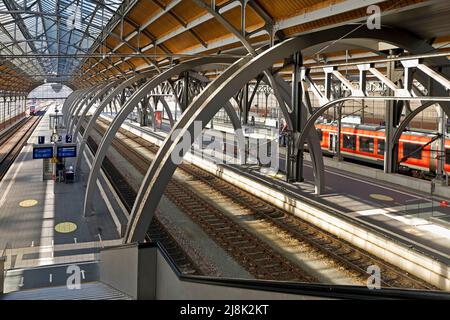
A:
[(43, 153), (66, 152)]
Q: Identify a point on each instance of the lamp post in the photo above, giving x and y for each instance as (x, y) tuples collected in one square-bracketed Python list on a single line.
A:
[(56, 120)]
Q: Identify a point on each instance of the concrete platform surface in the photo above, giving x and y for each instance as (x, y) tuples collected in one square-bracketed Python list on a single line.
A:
[(41, 214)]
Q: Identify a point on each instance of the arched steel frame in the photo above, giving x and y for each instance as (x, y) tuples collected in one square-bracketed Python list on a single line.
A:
[(399, 130), (310, 124), (168, 111), (91, 97), (402, 126), (83, 94), (103, 104), (162, 167), (71, 99), (133, 101), (80, 118), (79, 103)]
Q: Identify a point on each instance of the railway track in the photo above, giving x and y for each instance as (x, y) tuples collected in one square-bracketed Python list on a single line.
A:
[(237, 241), (156, 231), (255, 256), (13, 141)]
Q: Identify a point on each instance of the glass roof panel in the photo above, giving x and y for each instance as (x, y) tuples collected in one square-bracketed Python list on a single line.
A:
[(55, 30)]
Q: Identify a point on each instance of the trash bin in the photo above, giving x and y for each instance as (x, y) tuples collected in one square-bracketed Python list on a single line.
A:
[(69, 176)]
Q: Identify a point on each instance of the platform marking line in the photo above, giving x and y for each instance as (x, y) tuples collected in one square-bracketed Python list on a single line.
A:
[(103, 193), (11, 181), (388, 212), (373, 184)]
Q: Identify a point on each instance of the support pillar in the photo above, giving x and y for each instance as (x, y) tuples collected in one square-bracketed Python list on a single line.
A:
[(294, 164), (185, 92), (143, 114), (245, 105), (390, 155), (441, 145), (338, 156)]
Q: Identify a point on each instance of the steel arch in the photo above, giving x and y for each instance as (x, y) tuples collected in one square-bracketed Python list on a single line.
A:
[(312, 120), (89, 105), (169, 113), (82, 100), (399, 130), (130, 105), (89, 97), (117, 90), (162, 168), (69, 100), (69, 103), (81, 97)]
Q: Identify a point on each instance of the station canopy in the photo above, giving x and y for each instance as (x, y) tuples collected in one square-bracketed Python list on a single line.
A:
[(83, 42), (43, 39)]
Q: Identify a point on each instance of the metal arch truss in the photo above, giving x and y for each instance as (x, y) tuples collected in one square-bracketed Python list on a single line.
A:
[(429, 101), (63, 27), (83, 100), (133, 102), (103, 104), (225, 86), (80, 118), (412, 68)]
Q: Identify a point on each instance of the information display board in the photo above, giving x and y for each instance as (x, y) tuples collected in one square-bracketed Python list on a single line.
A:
[(43, 152), (66, 151)]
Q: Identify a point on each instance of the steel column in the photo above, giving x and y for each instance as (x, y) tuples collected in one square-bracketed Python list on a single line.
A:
[(129, 106)]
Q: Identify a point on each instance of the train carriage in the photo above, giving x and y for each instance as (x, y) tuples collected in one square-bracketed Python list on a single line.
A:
[(417, 151)]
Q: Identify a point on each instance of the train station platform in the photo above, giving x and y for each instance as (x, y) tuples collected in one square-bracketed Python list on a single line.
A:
[(402, 214), (41, 220)]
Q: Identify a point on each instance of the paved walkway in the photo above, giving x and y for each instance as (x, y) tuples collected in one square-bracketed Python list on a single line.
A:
[(37, 216)]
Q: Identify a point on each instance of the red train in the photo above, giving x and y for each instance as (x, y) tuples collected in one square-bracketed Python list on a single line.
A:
[(366, 143), (32, 110)]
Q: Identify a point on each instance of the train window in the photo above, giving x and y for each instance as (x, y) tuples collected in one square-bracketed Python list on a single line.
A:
[(319, 132), (366, 144), (410, 150), (380, 146), (447, 156), (349, 142)]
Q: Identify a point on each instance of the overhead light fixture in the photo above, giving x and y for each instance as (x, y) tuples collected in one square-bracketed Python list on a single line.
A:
[(149, 46), (131, 35)]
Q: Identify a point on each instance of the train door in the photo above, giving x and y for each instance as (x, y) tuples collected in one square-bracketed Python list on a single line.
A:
[(333, 142)]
